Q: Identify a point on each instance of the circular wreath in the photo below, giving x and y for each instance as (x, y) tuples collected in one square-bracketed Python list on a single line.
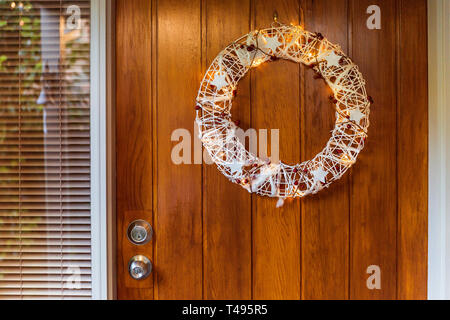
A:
[(217, 130)]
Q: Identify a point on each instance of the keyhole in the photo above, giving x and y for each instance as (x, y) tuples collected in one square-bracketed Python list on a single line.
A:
[(138, 234), (138, 271)]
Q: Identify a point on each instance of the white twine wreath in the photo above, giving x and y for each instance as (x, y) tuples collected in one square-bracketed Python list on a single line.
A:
[(217, 130)]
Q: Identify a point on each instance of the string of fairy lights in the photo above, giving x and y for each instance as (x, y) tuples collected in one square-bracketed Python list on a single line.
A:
[(218, 130)]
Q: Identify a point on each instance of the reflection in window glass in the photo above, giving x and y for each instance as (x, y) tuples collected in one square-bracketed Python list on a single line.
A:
[(45, 237)]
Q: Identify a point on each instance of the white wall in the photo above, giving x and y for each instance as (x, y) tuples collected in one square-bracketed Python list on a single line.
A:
[(439, 149)]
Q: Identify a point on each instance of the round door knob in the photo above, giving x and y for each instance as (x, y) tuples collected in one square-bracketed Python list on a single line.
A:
[(139, 267), (139, 232)]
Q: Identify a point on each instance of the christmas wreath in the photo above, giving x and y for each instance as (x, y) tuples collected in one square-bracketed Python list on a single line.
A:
[(218, 130)]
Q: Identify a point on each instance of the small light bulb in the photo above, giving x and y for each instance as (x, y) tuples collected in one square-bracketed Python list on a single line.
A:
[(13, 5)]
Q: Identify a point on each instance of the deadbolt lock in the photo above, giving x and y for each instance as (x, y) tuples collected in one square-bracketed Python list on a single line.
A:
[(139, 232)]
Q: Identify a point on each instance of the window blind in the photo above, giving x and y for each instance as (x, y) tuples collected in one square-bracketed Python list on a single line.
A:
[(45, 218)]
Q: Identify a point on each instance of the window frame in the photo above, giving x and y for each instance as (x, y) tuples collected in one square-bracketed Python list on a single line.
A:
[(98, 108)]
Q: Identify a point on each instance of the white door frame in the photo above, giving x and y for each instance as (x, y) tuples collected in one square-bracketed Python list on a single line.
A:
[(439, 150), (99, 225)]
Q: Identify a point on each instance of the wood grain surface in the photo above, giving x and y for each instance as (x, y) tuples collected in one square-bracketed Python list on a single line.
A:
[(226, 209), (325, 219), (133, 136), (373, 212), (276, 105), (212, 239), (412, 163), (178, 215)]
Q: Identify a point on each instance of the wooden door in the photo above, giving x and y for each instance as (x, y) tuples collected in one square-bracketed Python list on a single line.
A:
[(215, 241)]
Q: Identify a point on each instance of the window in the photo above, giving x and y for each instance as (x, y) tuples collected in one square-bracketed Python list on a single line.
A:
[(46, 172)]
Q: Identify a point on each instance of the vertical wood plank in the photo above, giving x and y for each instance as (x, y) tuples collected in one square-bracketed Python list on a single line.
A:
[(412, 117), (374, 185), (133, 137), (227, 207), (276, 105), (178, 251), (325, 216)]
